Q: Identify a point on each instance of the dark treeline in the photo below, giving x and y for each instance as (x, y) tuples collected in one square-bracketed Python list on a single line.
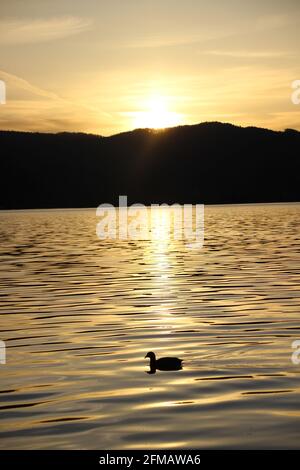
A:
[(205, 163)]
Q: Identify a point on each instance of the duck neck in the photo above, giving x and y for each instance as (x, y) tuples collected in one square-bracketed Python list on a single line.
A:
[(152, 362)]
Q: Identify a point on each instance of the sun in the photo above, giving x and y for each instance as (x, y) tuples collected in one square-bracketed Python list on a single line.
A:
[(157, 114)]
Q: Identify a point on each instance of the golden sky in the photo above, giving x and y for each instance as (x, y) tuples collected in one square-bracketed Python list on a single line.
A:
[(108, 66)]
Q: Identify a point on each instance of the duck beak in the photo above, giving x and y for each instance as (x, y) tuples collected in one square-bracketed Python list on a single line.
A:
[(145, 357)]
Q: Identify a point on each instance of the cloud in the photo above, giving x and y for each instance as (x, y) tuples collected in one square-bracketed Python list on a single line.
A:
[(273, 21), (40, 30), (156, 42), (250, 54), (19, 83), (31, 108)]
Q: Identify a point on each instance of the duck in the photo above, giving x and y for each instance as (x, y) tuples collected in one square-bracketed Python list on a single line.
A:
[(164, 363)]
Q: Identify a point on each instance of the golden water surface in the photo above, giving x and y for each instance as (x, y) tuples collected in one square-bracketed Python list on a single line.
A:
[(78, 315)]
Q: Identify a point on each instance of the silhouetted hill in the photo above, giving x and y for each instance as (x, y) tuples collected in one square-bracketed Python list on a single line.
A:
[(208, 162)]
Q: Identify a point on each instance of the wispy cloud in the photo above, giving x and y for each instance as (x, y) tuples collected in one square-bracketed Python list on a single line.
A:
[(157, 41), (170, 40), (250, 54), (32, 108), (17, 31), (16, 82), (273, 21)]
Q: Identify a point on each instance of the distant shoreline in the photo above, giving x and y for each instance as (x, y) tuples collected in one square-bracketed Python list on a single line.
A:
[(44, 209)]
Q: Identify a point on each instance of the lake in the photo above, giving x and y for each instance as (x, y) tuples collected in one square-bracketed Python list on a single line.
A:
[(79, 314)]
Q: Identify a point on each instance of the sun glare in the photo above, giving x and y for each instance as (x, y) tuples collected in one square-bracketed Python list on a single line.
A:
[(157, 115)]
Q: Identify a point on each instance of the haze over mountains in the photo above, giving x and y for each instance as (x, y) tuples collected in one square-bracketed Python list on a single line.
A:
[(208, 163)]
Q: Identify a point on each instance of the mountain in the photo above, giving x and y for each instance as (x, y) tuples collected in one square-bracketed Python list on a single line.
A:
[(204, 163)]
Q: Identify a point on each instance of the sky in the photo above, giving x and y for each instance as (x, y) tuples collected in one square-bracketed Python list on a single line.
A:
[(109, 66)]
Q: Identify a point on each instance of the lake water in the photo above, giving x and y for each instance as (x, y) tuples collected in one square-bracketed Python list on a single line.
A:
[(79, 314)]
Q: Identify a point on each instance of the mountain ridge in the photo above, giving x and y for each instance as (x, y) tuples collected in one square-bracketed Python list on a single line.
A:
[(210, 162)]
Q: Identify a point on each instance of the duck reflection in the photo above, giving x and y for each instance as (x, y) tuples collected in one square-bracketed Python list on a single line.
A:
[(163, 364)]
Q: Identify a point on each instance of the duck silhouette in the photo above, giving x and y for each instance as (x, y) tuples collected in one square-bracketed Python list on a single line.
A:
[(164, 363)]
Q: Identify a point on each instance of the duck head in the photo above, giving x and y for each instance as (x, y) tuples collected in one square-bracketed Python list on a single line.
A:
[(151, 356)]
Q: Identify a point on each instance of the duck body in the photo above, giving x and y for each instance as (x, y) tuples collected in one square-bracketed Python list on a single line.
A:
[(164, 363), (169, 363)]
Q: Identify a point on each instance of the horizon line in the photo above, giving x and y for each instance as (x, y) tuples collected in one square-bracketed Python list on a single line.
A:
[(151, 129)]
